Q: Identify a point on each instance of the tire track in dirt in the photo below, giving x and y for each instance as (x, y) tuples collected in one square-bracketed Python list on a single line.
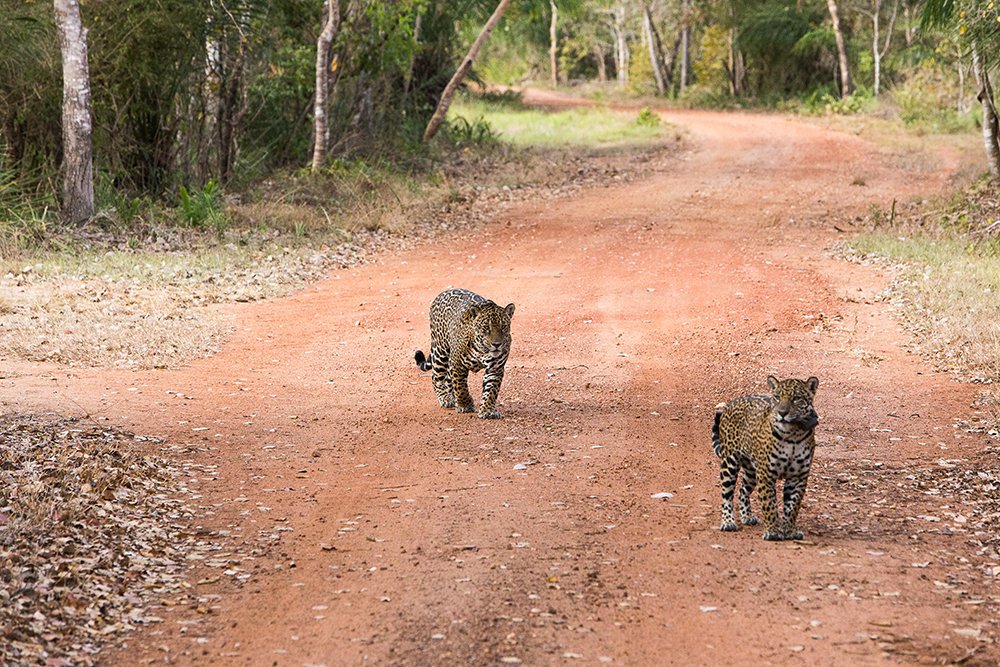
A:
[(404, 535)]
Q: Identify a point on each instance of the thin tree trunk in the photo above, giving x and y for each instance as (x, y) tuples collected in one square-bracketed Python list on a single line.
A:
[(621, 44), (845, 73), (321, 127), (991, 124), (449, 91), (685, 44), (960, 66), (77, 128), (654, 55), (553, 45), (879, 51), (876, 56), (910, 30), (408, 80), (602, 67)]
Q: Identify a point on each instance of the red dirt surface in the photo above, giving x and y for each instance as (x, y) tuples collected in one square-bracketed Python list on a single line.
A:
[(405, 534)]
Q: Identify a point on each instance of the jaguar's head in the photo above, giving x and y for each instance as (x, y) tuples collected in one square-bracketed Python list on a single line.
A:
[(492, 325), (794, 401)]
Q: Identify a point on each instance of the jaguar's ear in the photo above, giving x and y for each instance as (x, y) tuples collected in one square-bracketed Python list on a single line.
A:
[(772, 382), (472, 311), (510, 310), (812, 384)]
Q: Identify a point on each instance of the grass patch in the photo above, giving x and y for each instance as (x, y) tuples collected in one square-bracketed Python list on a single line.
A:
[(592, 130), (947, 285)]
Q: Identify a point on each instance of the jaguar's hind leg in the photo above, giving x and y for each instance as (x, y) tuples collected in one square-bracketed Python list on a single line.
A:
[(728, 472), (748, 484), (441, 377)]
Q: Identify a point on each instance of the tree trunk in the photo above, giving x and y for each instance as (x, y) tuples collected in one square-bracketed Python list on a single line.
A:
[(553, 45), (408, 80), (685, 44), (321, 127), (879, 51), (77, 129), (845, 73), (449, 91), (654, 51), (602, 67), (876, 56), (621, 44), (991, 124)]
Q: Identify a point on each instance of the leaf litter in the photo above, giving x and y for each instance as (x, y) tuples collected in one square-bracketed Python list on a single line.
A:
[(94, 538)]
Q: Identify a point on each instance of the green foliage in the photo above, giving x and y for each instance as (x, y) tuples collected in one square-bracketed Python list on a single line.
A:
[(823, 101), (648, 118), (202, 207), (463, 132), (710, 68), (929, 99)]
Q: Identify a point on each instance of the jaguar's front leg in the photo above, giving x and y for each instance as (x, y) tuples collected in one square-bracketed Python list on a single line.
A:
[(491, 388), (460, 385), (794, 492), (768, 497)]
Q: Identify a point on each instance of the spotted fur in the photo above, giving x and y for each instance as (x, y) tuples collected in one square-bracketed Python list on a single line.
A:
[(468, 334), (769, 437)]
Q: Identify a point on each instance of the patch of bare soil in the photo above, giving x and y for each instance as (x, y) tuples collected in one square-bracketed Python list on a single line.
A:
[(583, 527)]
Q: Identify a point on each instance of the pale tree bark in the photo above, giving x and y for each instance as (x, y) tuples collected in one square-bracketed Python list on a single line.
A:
[(685, 37), (991, 124), (554, 44), (77, 128), (845, 73), (621, 44), (602, 68), (654, 52), (879, 50), (321, 126), (434, 124)]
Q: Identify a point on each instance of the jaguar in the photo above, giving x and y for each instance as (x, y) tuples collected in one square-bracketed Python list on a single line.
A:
[(769, 437), (468, 334)]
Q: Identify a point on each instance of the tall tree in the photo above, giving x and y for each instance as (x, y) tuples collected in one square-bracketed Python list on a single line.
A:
[(838, 34), (321, 127), (553, 44), (980, 26), (879, 50), (655, 49), (77, 131), (621, 43), (685, 39), (991, 120), (434, 124)]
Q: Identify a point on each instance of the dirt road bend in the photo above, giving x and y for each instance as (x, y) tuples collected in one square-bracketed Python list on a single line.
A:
[(404, 534)]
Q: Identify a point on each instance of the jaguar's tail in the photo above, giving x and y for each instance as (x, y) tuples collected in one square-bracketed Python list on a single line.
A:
[(716, 440), (423, 363)]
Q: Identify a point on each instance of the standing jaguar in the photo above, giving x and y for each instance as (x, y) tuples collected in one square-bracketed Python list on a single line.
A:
[(468, 333), (770, 437)]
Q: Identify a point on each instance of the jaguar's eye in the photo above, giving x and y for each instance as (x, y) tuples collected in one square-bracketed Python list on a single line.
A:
[(801, 402)]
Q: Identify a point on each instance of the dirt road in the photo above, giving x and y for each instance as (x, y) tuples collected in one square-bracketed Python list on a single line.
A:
[(404, 534)]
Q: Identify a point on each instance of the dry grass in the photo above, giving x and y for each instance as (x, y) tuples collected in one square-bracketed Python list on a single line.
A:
[(152, 296), (946, 290)]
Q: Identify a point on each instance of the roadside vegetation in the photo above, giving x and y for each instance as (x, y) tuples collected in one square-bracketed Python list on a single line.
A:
[(945, 258)]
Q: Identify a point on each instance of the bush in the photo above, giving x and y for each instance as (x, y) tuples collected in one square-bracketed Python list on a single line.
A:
[(929, 99), (647, 118)]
